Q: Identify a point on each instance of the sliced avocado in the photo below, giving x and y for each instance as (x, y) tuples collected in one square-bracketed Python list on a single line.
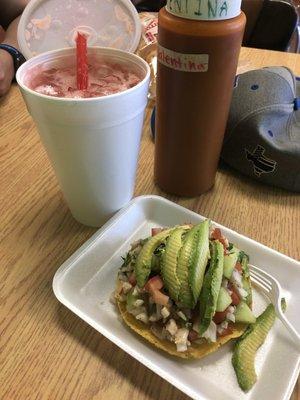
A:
[(185, 294), (246, 347), (199, 258), (211, 286), (169, 262), (244, 314), (224, 300), (143, 263), (229, 264)]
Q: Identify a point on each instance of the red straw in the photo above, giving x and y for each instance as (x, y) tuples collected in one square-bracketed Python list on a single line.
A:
[(82, 66)]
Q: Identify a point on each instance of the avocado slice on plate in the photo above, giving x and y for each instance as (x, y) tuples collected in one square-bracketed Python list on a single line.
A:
[(244, 314), (169, 262), (211, 287), (229, 264), (185, 296), (199, 258), (246, 347), (143, 263), (224, 300)]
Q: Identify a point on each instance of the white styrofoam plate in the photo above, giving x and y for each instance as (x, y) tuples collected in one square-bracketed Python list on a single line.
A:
[(84, 284)]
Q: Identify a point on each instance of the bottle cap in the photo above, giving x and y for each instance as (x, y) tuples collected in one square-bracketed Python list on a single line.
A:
[(206, 10), (52, 24)]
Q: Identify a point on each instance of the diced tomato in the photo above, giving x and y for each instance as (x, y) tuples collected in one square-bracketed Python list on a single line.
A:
[(220, 316), (160, 298), (235, 298), (153, 286), (226, 332), (216, 234), (238, 267), (193, 335), (224, 242), (234, 294), (154, 283), (155, 231), (132, 279)]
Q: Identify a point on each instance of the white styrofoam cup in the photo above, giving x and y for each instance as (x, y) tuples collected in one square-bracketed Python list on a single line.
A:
[(92, 143)]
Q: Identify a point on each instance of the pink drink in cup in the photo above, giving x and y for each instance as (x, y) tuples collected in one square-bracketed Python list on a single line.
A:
[(92, 136), (58, 79)]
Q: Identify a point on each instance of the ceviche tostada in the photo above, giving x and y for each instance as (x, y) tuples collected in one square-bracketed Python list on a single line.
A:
[(185, 289)]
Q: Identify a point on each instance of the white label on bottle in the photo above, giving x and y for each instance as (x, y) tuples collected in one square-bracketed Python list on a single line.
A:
[(182, 62), (207, 10)]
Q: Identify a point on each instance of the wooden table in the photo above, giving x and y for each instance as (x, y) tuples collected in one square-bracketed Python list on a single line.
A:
[(46, 352)]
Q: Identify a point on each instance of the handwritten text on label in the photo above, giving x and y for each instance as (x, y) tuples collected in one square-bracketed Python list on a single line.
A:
[(211, 9), (182, 62)]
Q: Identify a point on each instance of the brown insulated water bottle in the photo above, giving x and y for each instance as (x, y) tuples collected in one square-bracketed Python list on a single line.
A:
[(198, 48)]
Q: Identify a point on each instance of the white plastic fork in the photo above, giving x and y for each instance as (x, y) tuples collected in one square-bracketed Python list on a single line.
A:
[(273, 291)]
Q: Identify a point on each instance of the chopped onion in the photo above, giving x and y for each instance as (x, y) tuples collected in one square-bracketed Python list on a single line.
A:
[(181, 337), (236, 278), (136, 311), (231, 309), (211, 332), (153, 318), (126, 286), (165, 312), (138, 303), (230, 314), (242, 292), (143, 317), (222, 327), (171, 327), (135, 291), (181, 315), (230, 317), (181, 347)]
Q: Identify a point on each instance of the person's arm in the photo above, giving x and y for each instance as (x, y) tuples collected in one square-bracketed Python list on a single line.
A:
[(9, 19), (7, 71)]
